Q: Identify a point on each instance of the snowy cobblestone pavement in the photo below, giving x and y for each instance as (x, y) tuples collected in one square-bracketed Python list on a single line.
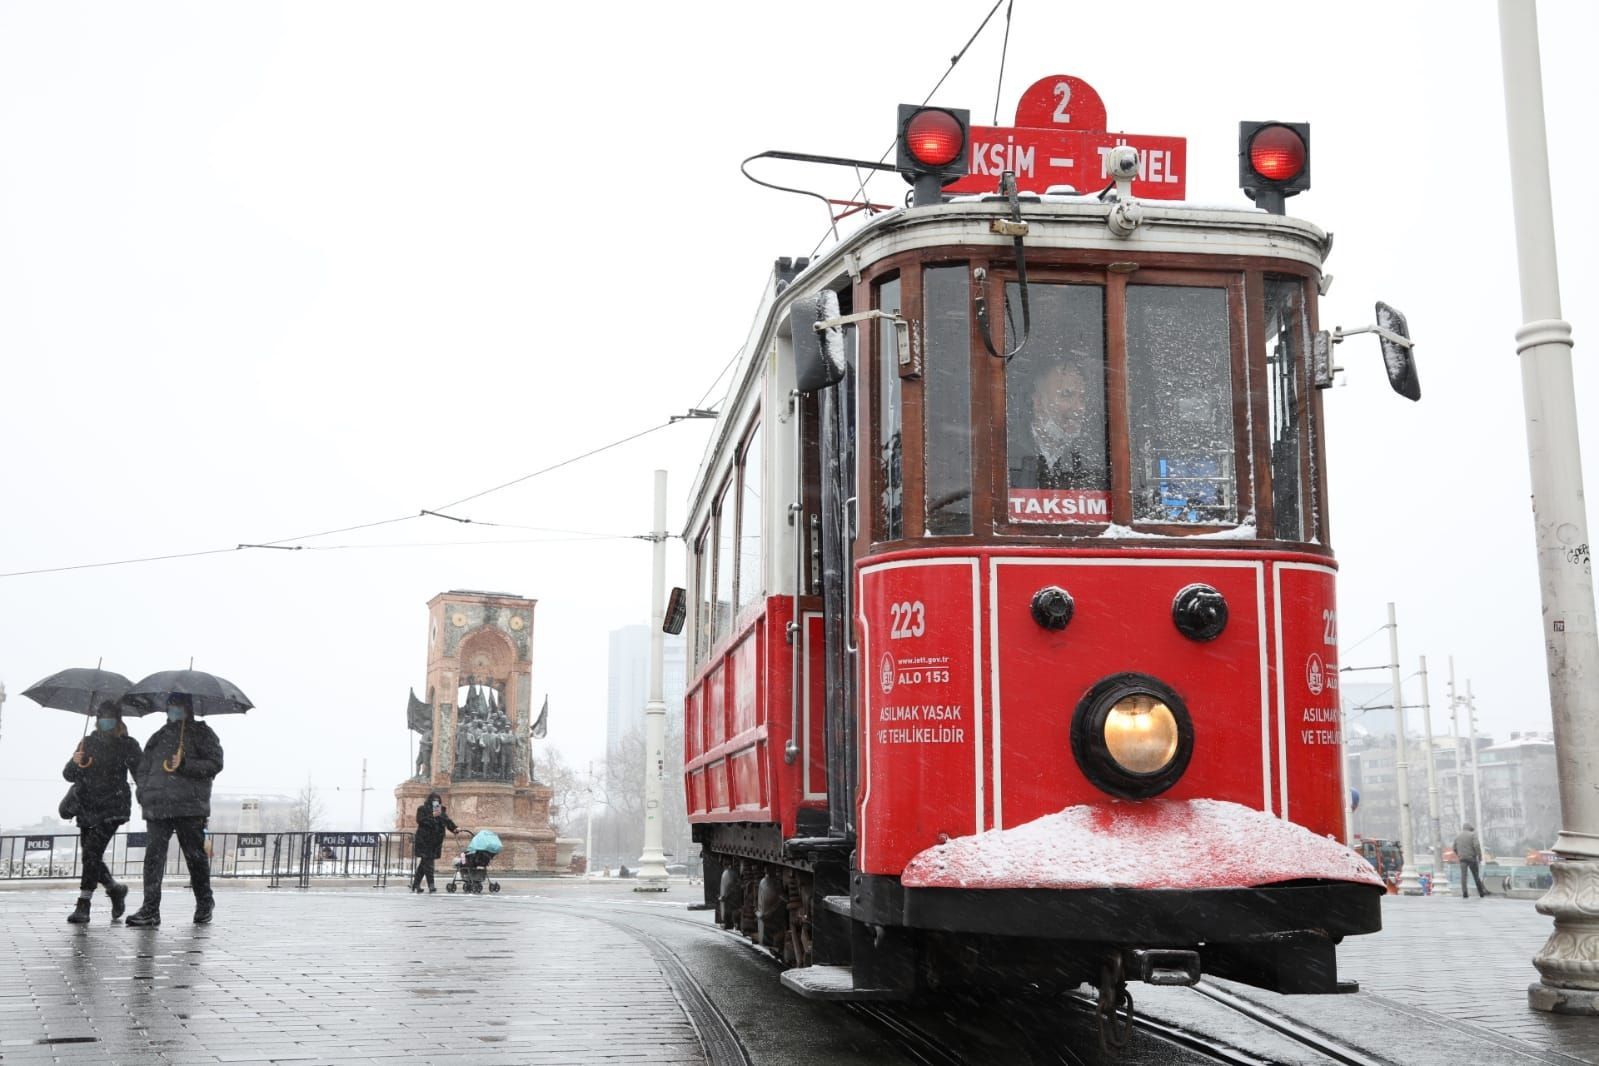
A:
[(1470, 961), (1445, 981), (336, 977)]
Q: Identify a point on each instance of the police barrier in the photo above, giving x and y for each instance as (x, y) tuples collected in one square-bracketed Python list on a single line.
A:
[(300, 856)]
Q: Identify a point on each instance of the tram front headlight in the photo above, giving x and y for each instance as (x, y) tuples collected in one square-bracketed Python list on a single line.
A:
[(1132, 736), (1141, 733)]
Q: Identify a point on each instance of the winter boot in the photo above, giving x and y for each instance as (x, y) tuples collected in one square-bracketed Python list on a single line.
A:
[(203, 910), (142, 917), (80, 913), (119, 900)]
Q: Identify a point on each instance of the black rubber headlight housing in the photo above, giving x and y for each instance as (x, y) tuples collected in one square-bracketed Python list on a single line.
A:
[(1132, 736)]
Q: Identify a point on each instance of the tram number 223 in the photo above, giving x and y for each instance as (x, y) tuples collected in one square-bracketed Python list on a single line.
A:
[(910, 619)]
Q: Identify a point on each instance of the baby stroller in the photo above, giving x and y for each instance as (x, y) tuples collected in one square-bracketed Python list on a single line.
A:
[(472, 865)]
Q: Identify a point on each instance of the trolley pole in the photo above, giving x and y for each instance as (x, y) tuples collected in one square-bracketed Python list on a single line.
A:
[(1435, 828), (1409, 883), (1570, 981), (652, 864), (1460, 762)]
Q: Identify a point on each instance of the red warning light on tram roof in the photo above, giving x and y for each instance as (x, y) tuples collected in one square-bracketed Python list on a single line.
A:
[(1060, 139), (934, 137), (1277, 153)]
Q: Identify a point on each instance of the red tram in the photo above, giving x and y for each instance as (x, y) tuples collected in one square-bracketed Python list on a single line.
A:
[(1013, 647)]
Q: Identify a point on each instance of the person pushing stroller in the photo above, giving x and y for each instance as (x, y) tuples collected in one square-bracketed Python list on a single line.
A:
[(432, 819)]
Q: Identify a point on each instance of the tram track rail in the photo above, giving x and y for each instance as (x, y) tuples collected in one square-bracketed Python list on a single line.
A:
[(923, 1045), (716, 1034)]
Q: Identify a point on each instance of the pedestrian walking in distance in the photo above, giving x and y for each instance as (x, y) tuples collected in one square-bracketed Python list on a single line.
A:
[(174, 784), (1469, 852), (431, 822), (99, 771)]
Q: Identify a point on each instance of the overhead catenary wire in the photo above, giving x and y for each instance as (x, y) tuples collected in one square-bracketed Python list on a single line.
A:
[(954, 60), (292, 543), (1004, 50)]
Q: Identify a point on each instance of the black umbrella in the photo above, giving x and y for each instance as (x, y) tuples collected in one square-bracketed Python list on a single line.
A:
[(79, 690), (208, 693)]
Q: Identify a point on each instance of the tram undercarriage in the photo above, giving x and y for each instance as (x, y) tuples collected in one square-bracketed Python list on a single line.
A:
[(843, 935)]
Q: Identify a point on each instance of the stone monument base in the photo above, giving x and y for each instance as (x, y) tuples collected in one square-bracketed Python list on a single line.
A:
[(519, 814)]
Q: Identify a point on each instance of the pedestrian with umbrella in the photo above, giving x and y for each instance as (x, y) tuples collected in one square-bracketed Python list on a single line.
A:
[(174, 779), (99, 799)]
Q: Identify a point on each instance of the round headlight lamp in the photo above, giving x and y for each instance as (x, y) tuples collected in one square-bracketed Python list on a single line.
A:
[(1131, 736)]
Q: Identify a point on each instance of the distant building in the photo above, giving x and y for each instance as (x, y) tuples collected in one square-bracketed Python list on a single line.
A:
[(235, 813), (1520, 794), (628, 681)]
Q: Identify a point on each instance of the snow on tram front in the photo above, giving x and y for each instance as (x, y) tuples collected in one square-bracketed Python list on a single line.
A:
[(1012, 614)]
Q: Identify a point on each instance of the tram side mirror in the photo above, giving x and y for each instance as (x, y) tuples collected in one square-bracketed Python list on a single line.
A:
[(676, 612), (1398, 354), (818, 355), (1321, 360), (1396, 351)]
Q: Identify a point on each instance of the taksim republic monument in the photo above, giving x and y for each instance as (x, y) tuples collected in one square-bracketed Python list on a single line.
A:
[(475, 728)]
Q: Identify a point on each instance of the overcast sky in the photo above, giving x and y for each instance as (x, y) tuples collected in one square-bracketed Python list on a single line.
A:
[(272, 269)]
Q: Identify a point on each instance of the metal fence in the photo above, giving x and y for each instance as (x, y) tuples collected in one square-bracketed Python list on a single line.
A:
[(280, 858)]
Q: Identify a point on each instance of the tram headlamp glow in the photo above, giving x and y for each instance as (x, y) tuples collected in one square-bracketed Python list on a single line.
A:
[(1141, 733), (1132, 736)]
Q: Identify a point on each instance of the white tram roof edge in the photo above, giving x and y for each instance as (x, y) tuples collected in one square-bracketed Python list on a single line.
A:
[(1055, 222)]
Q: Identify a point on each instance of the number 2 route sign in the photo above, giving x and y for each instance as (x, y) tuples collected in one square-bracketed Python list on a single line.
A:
[(1060, 139)]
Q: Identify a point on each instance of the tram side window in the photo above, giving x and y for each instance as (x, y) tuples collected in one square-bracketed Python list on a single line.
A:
[(1056, 447), (1180, 394), (703, 578), (890, 489), (1286, 330), (947, 399), (723, 623), (751, 581)]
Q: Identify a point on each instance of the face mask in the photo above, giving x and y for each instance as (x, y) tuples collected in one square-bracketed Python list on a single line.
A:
[(174, 714), (106, 724)]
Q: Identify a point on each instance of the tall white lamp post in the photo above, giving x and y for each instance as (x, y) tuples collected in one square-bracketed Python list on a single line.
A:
[(652, 864), (1569, 962)]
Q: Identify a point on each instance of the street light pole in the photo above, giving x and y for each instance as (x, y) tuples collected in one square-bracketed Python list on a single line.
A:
[(1476, 777), (652, 864), (1409, 883), (1460, 764), (588, 847), (1570, 978), (1432, 777)]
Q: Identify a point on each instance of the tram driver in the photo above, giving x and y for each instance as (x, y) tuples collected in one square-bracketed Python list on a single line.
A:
[(1067, 442)]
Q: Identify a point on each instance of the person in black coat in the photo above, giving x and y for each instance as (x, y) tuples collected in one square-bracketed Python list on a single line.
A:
[(174, 783), (99, 769), (431, 821)]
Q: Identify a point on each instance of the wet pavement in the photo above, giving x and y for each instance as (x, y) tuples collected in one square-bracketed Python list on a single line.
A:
[(570, 972)]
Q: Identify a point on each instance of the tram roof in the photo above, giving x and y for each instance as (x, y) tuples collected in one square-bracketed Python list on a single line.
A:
[(1055, 222)]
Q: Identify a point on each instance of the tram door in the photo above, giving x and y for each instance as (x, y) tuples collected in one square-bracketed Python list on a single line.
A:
[(837, 440)]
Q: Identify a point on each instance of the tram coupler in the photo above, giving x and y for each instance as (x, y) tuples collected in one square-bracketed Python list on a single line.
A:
[(1163, 966)]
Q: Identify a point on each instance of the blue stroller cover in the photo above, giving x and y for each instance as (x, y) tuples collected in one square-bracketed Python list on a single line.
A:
[(485, 840)]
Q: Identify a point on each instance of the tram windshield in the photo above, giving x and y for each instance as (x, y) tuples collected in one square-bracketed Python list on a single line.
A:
[(1137, 400), (1057, 454), (1180, 394)]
